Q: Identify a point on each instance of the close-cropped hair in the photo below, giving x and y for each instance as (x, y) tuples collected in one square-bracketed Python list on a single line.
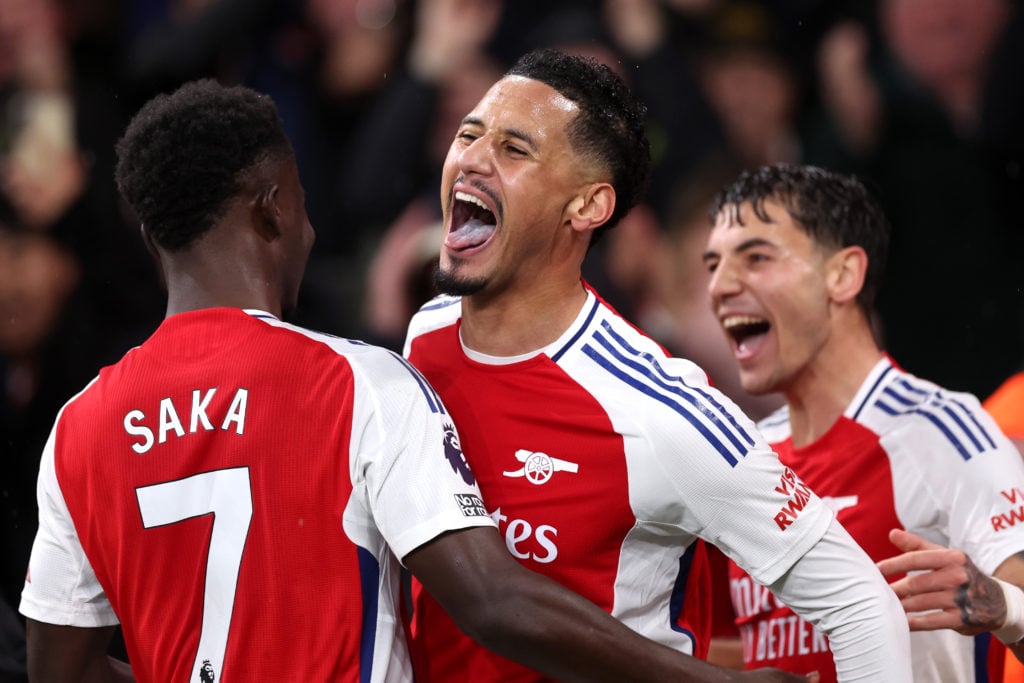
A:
[(835, 210), (184, 155), (610, 126)]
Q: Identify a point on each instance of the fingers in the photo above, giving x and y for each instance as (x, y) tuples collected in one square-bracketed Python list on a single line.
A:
[(935, 621), (940, 574), (906, 541), (923, 560), (918, 600)]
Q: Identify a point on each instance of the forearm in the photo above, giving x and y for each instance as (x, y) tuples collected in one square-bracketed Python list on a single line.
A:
[(68, 654), (537, 623), (534, 621), (837, 587)]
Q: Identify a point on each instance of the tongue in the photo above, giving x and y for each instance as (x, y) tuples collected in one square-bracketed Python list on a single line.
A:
[(750, 345), (472, 233)]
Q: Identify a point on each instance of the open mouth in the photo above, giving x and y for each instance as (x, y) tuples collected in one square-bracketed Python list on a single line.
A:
[(747, 333), (472, 223)]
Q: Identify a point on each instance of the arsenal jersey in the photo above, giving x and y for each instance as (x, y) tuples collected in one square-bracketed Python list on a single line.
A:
[(231, 492), (603, 461), (905, 454)]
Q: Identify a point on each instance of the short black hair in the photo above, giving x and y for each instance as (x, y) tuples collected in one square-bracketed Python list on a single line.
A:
[(610, 126), (835, 210), (184, 155)]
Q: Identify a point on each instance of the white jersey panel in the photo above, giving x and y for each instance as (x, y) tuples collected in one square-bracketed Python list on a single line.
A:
[(63, 588)]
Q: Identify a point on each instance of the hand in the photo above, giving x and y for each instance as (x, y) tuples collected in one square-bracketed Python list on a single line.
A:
[(848, 88), (951, 590)]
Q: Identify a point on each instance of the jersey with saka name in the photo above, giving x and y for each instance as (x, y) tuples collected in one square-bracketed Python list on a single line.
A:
[(905, 454), (603, 460), (231, 491)]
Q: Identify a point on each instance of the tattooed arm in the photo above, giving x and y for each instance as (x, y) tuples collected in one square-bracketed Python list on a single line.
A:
[(952, 591)]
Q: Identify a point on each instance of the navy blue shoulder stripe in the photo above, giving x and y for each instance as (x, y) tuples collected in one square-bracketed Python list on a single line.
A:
[(774, 420), (643, 372), (583, 328), (433, 400), (874, 387), (956, 421), (440, 303)]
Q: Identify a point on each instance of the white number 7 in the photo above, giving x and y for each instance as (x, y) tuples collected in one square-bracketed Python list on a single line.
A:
[(228, 495)]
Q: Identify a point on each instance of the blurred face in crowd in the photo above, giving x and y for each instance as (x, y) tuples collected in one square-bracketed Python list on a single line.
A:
[(36, 278), (507, 181), (940, 40), (768, 290)]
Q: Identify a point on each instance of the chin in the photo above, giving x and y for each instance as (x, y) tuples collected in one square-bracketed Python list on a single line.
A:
[(449, 283), (756, 386)]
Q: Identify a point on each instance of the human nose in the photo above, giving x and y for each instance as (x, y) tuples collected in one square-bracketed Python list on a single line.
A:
[(723, 282), (475, 157)]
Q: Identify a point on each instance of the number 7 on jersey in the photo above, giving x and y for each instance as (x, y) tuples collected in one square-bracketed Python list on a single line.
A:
[(228, 495)]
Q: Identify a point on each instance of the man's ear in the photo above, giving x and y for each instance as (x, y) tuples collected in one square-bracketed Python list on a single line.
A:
[(593, 207), (266, 214), (845, 271)]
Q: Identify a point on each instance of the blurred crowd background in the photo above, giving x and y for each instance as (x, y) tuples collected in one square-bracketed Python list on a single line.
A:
[(923, 99)]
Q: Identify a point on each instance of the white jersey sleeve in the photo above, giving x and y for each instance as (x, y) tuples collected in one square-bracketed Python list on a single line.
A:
[(407, 468), (62, 588), (865, 647), (742, 500), (696, 461)]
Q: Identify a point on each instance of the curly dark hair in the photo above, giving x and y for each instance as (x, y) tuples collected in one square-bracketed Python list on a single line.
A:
[(184, 155), (835, 210), (610, 127)]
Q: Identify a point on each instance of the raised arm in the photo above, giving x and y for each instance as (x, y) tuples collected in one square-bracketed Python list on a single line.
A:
[(70, 654), (535, 621)]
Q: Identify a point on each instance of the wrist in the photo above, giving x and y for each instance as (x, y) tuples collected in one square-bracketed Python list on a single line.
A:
[(1012, 630)]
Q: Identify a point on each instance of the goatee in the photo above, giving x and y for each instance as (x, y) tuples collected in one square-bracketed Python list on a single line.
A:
[(450, 284)]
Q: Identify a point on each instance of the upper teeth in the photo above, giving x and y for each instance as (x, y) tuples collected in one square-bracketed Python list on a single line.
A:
[(466, 197), (737, 320)]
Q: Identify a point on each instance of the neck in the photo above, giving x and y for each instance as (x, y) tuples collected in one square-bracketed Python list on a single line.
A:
[(821, 393), (516, 324), (205, 276)]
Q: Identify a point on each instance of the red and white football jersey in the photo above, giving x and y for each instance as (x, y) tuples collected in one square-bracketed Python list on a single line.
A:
[(231, 491), (603, 460), (905, 454)]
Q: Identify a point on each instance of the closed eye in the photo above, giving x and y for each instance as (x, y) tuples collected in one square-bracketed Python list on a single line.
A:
[(710, 260)]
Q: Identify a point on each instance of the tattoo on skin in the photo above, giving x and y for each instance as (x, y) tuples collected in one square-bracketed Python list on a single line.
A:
[(980, 599)]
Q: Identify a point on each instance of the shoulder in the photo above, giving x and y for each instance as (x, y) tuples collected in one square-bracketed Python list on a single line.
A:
[(668, 398), (380, 367), (439, 312), (907, 409)]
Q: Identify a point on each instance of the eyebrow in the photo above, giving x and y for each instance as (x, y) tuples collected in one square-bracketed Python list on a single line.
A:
[(511, 132), (741, 247)]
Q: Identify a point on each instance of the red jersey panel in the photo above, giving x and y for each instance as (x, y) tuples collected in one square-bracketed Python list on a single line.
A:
[(590, 455)]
